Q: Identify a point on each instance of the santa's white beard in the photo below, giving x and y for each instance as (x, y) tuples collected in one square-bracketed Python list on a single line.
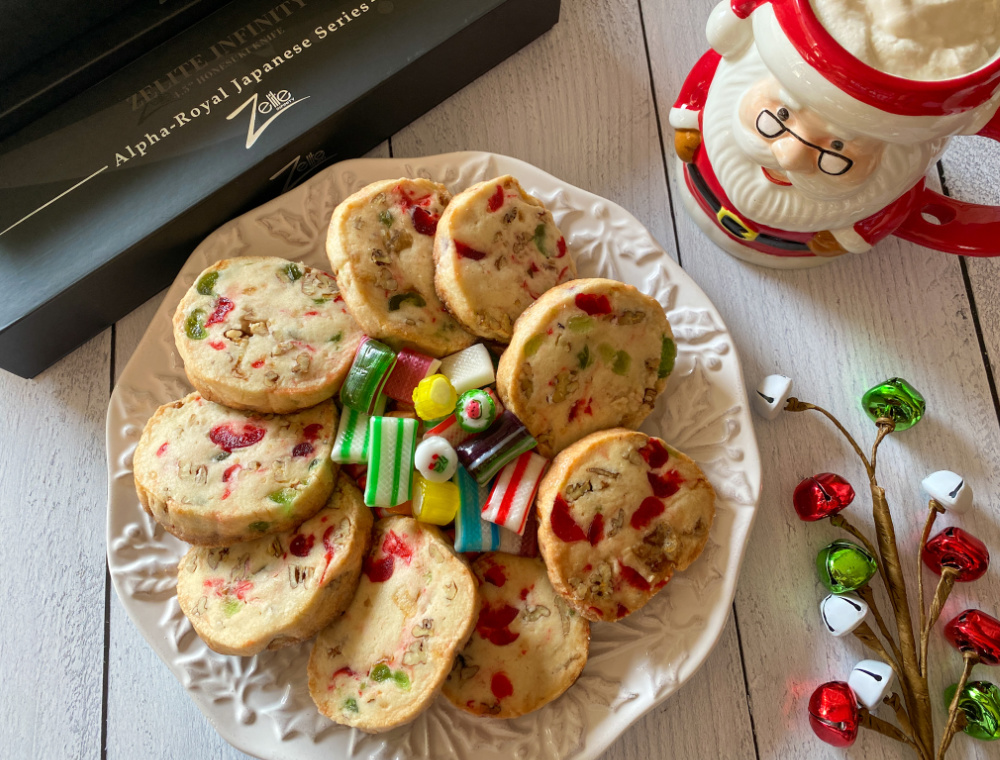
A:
[(813, 202)]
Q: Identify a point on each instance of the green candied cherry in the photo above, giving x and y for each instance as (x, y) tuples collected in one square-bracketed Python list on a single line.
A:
[(585, 358), (336, 338), (260, 526), (206, 283), (380, 672), (284, 497), (532, 344), (292, 271), (668, 354), (351, 705), (401, 679), (895, 399), (607, 353), (385, 217), (621, 363), (844, 566), (400, 298), (321, 301), (231, 607), (580, 323), (540, 240), (980, 701), (194, 325)]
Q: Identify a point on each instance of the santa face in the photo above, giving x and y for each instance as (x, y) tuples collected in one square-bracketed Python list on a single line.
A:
[(785, 166), (796, 147)]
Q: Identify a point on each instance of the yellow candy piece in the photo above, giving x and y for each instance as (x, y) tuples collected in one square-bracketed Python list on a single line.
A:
[(434, 397), (435, 503)]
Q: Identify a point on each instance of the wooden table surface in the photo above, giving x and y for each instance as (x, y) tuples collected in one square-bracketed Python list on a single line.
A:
[(587, 103)]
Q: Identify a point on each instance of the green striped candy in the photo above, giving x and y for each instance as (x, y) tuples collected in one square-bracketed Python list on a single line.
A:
[(351, 444), (391, 444)]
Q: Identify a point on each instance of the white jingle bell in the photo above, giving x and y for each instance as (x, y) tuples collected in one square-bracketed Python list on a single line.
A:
[(842, 613), (435, 459), (770, 395), (949, 490), (871, 681)]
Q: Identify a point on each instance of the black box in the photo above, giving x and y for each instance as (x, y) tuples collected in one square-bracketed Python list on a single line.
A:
[(103, 198)]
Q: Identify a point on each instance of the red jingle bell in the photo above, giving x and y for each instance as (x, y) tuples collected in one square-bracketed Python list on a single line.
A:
[(822, 495), (975, 631), (955, 548), (833, 714)]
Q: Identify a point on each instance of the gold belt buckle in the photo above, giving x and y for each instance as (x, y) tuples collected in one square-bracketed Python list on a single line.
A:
[(746, 234)]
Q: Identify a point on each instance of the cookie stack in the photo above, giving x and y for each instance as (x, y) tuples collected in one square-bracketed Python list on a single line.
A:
[(487, 406)]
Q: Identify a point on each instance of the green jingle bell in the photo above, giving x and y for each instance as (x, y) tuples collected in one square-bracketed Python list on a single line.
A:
[(844, 566), (980, 701), (897, 400)]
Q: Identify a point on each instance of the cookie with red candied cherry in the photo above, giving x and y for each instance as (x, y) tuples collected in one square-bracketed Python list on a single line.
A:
[(497, 249), (381, 248), (528, 647), (265, 334), (278, 590), (215, 476), (588, 355), (384, 660), (618, 512)]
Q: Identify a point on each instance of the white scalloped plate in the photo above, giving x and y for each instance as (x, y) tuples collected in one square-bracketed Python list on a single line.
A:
[(261, 704)]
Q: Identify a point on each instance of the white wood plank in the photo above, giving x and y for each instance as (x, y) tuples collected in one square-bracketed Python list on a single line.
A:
[(52, 567), (837, 330)]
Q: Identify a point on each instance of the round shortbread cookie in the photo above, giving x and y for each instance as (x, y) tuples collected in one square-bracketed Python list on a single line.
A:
[(588, 355), (214, 476), (278, 590), (618, 513), (497, 249), (528, 647), (265, 334), (381, 248), (383, 661)]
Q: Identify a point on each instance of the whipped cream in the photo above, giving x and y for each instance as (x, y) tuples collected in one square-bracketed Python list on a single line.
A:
[(916, 39)]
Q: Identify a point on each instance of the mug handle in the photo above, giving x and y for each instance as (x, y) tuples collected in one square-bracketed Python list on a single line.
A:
[(966, 229)]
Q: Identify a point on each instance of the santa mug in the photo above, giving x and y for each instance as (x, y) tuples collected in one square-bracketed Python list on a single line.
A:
[(793, 151)]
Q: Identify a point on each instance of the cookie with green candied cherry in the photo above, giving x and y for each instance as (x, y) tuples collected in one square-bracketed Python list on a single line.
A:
[(383, 661), (215, 476), (381, 249), (277, 590), (266, 334), (618, 513), (529, 645), (588, 355), (496, 250)]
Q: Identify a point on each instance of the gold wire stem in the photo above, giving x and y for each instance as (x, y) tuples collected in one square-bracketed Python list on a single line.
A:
[(869, 721), (839, 521), (971, 658), (794, 405), (948, 577), (933, 508), (896, 704), (869, 597), (885, 426), (867, 636)]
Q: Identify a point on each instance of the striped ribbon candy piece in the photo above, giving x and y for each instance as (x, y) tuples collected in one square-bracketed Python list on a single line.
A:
[(351, 444), (525, 545), (391, 443), (514, 491), (472, 533), (411, 367)]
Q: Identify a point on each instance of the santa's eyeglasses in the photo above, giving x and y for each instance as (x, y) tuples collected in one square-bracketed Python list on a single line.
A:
[(830, 162)]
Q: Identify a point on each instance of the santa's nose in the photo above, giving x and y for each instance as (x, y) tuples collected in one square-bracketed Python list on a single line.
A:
[(793, 155)]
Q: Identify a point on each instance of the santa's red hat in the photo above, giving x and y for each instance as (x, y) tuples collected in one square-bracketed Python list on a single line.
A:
[(819, 72)]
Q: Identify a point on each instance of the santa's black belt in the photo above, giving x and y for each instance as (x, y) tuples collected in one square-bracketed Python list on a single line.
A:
[(732, 223)]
